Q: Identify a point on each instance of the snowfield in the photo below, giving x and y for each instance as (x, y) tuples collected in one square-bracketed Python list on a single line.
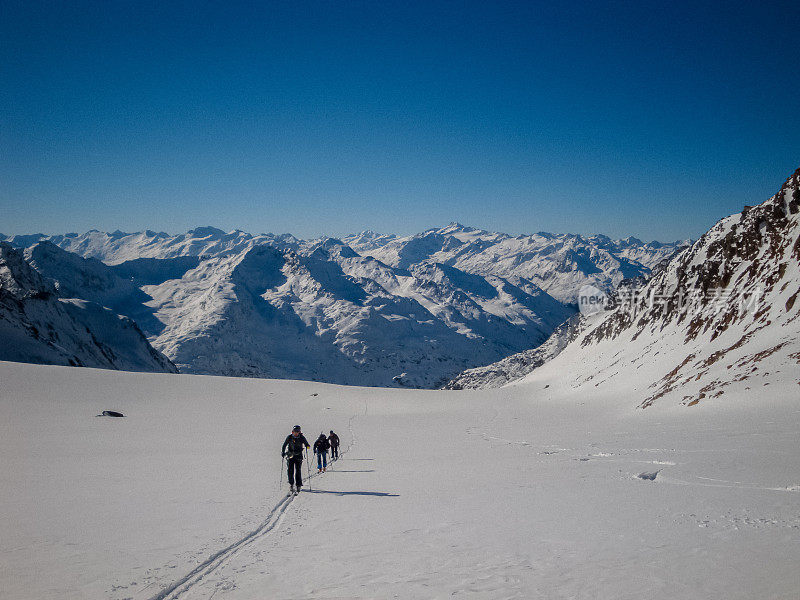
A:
[(537, 490)]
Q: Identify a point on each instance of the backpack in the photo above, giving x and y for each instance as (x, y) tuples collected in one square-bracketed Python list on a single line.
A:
[(295, 446)]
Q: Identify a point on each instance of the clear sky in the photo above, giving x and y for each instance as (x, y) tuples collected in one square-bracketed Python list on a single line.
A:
[(645, 118)]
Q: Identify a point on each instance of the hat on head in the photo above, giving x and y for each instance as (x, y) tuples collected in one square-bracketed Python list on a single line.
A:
[(296, 428)]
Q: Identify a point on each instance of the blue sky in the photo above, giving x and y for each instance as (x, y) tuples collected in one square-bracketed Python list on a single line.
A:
[(642, 118)]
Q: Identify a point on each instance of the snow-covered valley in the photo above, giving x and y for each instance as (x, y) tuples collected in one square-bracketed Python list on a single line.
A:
[(648, 450), (530, 269), (531, 491)]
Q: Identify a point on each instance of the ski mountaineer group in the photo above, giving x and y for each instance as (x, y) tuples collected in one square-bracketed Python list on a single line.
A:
[(293, 447)]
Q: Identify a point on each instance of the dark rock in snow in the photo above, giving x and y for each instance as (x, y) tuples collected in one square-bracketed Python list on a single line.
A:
[(110, 413)]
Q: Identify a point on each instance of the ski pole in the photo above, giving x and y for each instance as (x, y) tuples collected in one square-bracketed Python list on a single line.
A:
[(308, 466), (280, 473)]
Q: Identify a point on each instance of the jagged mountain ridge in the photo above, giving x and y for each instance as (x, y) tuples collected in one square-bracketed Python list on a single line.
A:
[(722, 314), (38, 326), (324, 314), (558, 263), (119, 247), (318, 309)]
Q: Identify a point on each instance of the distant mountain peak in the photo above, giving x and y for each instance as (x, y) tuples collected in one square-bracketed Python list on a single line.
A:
[(324, 247), (17, 277), (207, 231), (456, 226)]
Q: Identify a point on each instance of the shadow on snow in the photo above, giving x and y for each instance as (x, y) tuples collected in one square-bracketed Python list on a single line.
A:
[(383, 494), (351, 471)]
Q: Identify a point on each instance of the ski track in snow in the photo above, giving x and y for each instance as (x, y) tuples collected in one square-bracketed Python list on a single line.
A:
[(731, 484), (224, 556), (183, 585)]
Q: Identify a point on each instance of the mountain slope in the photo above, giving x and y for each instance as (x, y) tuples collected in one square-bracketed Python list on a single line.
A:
[(518, 365), (93, 280), (336, 316), (722, 315), (37, 326)]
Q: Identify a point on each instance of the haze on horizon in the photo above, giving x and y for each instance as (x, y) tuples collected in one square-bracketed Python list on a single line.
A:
[(327, 119)]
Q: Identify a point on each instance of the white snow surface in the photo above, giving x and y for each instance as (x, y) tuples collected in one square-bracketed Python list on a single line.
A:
[(520, 492)]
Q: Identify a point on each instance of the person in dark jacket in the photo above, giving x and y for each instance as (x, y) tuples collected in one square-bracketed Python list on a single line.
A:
[(321, 447), (292, 449), (333, 440)]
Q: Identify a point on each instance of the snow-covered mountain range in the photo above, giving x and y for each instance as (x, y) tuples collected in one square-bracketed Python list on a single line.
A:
[(326, 314), (559, 264), (722, 313), (369, 310), (118, 247), (36, 325)]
